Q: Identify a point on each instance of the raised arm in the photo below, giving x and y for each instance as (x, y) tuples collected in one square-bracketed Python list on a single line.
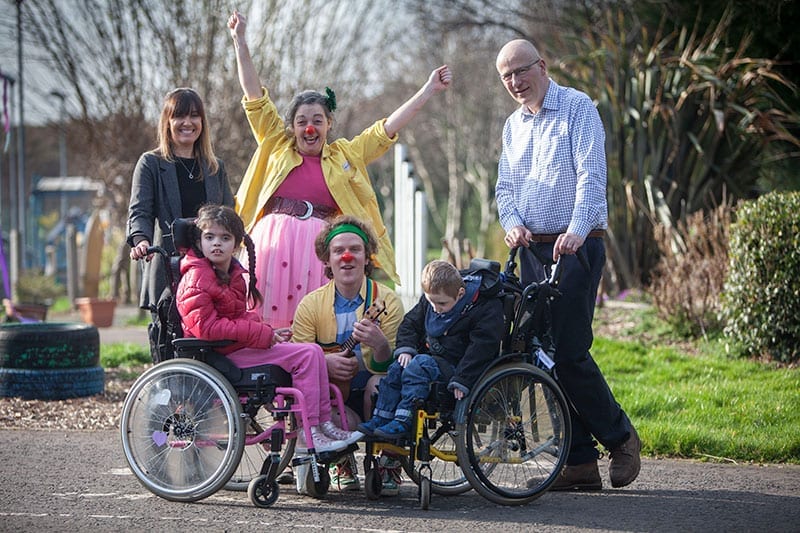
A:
[(439, 80), (248, 77)]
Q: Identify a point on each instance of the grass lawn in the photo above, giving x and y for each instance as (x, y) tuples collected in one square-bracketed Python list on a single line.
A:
[(690, 399)]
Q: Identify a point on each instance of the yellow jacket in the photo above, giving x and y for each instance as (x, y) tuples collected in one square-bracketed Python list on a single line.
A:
[(344, 165), (315, 320)]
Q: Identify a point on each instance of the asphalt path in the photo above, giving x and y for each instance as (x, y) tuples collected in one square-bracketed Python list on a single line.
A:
[(79, 481)]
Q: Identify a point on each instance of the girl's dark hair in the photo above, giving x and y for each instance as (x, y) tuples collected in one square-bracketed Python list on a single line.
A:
[(226, 217), (302, 98), (323, 250), (179, 103)]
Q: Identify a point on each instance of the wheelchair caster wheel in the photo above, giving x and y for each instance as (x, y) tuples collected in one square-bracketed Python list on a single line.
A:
[(262, 493), (424, 493), (318, 489), (373, 484)]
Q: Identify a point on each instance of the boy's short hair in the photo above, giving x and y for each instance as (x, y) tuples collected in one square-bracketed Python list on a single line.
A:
[(439, 276)]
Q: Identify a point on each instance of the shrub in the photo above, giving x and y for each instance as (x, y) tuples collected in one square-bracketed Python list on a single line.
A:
[(687, 281), (36, 288), (761, 301)]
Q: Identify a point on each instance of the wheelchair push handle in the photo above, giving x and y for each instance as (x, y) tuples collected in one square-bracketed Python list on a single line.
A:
[(552, 270)]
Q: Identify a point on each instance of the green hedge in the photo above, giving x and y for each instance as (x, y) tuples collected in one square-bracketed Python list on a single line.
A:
[(761, 300)]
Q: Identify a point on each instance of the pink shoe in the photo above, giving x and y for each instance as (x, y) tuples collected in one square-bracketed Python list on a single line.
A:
[(321, 442), (336, 433)]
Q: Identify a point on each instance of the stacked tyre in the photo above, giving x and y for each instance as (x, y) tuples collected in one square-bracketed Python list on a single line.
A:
[(50, 361)]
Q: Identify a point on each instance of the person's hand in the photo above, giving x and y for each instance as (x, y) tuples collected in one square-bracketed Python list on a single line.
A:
[(566, 244), (140, 251), (281, 335), (404, 359), (440, 79), (340, 366), (367, 332), (237, 23), (458, 393), (518, 236)]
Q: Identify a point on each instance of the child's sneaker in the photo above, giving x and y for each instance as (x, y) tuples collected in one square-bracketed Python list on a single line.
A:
[(390, 470), (342, 477), (321, 442), (369, 427), (394, 430), (336, 433)]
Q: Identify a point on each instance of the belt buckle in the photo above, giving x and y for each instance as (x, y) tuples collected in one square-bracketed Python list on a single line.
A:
[(309, 210)]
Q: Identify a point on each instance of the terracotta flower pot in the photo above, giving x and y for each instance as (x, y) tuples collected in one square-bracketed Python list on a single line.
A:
[(96, 311)]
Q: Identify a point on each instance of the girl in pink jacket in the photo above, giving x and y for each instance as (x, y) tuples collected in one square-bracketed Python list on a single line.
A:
[(213, 303)]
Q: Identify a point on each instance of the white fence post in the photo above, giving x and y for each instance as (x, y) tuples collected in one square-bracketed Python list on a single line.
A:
[(410, 228)]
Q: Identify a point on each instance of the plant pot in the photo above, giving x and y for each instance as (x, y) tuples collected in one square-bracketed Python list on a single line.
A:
[(25, 311), (96, 311)]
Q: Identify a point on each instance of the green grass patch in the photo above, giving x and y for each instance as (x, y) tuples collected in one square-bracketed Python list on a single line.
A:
[(705, 406), (142, 320), (124, 354)]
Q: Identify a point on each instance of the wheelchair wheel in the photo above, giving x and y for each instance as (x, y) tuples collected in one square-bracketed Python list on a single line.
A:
[(373, 484), (318, 489), (263, 493), (516, 434), (253, 457), (446, 477), (181, 430), (424, 493)]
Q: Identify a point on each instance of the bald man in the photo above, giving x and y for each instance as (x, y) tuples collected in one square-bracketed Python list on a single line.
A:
[(551, 196)]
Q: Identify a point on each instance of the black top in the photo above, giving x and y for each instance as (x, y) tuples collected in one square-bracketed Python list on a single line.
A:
[(193, 191)]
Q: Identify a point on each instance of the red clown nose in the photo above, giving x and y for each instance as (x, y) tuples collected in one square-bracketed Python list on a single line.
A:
[(347, 257), (310, 130)]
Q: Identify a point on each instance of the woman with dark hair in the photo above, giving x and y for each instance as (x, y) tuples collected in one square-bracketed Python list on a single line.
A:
[(296, 180), (173, 181)]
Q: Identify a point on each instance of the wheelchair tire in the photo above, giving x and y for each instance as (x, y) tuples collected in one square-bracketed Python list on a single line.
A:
[(424, 493), (49, 345), (261, 492), (57, 384), (515, 435), (373, 484), (182, 431), (318, 489), (446, 477)]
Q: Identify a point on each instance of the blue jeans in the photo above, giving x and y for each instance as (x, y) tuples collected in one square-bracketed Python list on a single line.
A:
[(598, 413), (401, 386)]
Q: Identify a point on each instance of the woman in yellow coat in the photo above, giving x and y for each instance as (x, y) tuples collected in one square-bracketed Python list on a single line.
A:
[(296, 180)]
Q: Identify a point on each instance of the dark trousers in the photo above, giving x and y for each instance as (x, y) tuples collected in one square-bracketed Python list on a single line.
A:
[(598, 415)]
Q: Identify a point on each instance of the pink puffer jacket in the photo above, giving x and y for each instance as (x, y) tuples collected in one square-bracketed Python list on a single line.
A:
[(213, 311)]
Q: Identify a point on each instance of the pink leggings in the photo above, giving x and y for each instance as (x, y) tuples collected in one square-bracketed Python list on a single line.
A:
[(305, 362)]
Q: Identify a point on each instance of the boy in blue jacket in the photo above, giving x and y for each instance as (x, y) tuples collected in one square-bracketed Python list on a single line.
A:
[(450, 335)]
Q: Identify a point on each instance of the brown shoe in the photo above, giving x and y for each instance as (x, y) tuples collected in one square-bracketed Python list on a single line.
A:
[(625, 461), (585, 476)]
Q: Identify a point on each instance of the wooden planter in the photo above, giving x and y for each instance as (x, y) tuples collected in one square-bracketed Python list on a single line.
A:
[(96, 311)]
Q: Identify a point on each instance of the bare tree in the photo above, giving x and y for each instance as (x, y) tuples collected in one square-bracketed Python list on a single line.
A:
[(115, 60)]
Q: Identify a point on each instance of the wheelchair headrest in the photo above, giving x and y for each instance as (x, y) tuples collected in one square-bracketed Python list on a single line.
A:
[(183, 234), (479, 263)]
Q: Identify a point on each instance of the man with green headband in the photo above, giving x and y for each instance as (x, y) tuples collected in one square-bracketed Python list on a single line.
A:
[(355, 319)]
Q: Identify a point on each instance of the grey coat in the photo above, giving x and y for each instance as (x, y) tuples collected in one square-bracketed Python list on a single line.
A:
[(155, 196)]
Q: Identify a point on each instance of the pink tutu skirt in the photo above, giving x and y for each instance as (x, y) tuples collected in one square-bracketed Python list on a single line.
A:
[(287, 267)]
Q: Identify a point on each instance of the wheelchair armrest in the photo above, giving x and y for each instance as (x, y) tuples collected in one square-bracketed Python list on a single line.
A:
[(192, 343)]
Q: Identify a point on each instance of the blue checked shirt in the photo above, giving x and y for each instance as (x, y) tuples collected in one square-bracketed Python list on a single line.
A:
[(552, 170)]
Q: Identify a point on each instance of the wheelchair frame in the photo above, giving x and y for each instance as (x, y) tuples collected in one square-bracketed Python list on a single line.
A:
[(187, 421), (509, 438)]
